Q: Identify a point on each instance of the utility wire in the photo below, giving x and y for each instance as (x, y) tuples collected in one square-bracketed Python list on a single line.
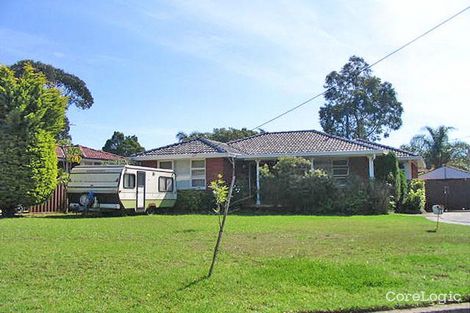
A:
[(367, 67)]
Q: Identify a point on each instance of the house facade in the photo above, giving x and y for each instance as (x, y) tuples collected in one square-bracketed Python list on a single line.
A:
[(198, 161)]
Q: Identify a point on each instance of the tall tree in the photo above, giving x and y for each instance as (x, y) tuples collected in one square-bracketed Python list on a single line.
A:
[(31, 116), (218, 134), (123, 145), (437, 150), (70, 86), (358, 104)]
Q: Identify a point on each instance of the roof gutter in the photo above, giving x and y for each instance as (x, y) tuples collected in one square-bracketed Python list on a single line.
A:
[(184, 156)]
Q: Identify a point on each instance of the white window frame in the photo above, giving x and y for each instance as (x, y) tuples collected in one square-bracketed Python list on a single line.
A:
[(333, 167), (191, 168), (172, 163)]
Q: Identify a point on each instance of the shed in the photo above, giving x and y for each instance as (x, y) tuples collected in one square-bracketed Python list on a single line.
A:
[(449, 186)]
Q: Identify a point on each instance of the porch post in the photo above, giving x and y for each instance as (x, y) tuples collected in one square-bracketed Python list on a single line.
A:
[(258, 201), (371, 165)]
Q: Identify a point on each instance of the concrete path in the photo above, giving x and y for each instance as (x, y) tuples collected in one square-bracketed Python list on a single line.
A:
[(450, 308), (462, 218)]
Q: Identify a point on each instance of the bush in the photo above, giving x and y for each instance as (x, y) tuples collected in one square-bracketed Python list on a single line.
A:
[(363, 197), (415, 199), (293, 185), (387, 170), (194, 201)]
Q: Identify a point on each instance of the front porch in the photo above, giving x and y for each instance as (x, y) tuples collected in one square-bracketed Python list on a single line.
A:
[(248, 170)]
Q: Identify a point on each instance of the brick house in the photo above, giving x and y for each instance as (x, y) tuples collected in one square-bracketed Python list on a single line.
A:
[(198, 161)]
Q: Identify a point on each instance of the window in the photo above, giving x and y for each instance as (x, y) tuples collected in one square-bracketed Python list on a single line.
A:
[(340, 168), (129, 181), (322, 164), (167, 165), (198, 174), (165, 184)]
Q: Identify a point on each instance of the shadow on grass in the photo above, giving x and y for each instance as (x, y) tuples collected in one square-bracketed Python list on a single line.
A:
[(193, 283)]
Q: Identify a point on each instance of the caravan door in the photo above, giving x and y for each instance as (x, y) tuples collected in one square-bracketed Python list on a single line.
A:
[(140, 205)]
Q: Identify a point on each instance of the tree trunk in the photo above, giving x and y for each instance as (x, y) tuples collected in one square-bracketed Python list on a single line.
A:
[(221, 225)]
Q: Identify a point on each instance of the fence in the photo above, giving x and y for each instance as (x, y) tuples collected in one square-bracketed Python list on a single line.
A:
[(56, 203)]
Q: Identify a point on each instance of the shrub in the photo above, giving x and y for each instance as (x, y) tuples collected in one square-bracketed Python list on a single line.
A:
[(387, 170), (363, 197), (415, 199), (292, 184), (194, 201), (31, 117)]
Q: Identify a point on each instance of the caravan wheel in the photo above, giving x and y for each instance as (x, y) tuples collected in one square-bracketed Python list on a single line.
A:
[(151, 210)]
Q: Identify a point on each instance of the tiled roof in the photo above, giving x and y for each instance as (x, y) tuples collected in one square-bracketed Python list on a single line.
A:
[(193, 146), (399, 152), (303, 141), (274, 143), (89, 153)]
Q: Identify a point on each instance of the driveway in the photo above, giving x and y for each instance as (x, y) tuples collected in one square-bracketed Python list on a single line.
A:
[(462, 218)]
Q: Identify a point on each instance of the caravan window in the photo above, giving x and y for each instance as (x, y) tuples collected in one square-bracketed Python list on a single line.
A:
[(165, 184), (129, 181)]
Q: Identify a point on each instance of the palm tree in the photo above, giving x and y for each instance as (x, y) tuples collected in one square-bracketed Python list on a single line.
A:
[(181, 136), (435, 146)]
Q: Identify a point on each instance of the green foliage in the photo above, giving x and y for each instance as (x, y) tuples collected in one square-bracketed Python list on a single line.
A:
[(415, 199), (437, 150), (123, 145), (70, 85), (220, 191), (293, 185), (363, 197), (31, 116), (194, 201), (359, 105), (218, 134), (403, 190), (387, 170)]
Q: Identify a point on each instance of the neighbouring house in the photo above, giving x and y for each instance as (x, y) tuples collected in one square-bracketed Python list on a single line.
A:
[(89, 156), (449, 186), (199, 161)]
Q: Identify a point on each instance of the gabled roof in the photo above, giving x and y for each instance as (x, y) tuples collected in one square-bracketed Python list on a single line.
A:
[(400, 153), (191, 147), (446, 172), (89, 153)]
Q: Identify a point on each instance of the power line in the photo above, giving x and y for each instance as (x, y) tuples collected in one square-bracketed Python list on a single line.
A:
[(367, 67)]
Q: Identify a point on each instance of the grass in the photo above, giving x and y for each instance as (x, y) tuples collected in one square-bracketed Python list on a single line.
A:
[(268, 263)]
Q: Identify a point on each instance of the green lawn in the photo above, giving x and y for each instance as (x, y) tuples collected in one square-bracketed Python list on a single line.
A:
[(268, 263)]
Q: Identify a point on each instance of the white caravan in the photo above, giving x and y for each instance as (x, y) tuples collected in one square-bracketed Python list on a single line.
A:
[(120, 187)]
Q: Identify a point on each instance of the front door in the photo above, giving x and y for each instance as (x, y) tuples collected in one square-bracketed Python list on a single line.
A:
[(140, 206)]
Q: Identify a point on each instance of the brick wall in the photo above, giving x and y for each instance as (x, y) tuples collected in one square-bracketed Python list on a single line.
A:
[(149, 163), (216, 166), (359, 166)]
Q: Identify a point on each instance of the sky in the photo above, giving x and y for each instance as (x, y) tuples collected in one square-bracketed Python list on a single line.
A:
[(159, 67)]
